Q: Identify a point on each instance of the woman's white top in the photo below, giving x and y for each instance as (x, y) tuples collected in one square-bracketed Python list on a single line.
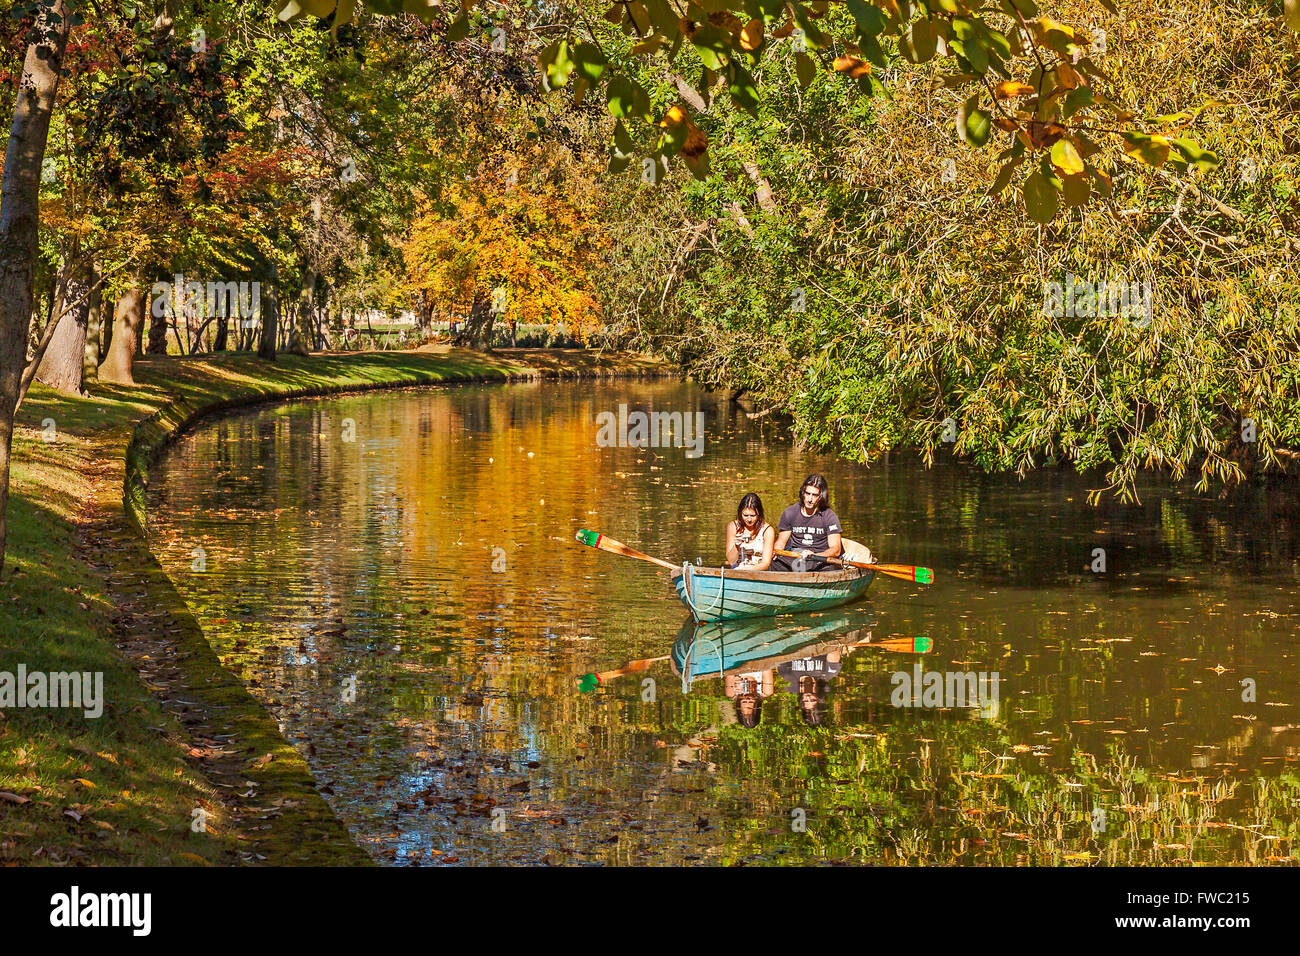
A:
[(750, 544)]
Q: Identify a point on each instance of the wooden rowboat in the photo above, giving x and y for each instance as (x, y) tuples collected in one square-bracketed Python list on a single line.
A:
[(722, 594)]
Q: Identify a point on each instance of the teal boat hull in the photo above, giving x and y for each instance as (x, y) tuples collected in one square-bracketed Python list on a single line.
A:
[(703, 651), (720, 594)]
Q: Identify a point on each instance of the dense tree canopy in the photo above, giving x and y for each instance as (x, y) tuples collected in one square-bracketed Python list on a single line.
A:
[(1025, 232)]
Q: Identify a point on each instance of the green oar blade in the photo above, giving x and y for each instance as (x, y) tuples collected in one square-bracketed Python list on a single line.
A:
[(923, 576), (589, 538)]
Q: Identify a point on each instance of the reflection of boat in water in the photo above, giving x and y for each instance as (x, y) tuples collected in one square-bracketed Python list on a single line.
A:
[(703, 651), (724, 594)]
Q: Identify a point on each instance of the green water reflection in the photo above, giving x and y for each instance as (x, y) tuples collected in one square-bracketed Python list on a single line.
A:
[(412, 607)]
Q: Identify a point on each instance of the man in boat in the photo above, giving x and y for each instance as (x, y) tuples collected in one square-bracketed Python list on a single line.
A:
[(810, 527)]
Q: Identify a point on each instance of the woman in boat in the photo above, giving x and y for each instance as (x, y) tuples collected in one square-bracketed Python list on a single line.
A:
[(810, 527), (750, 539)]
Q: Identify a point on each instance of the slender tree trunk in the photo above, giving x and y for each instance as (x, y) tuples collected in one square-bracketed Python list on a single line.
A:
[(20, 216), (270, 320), (223, 332), (300, 333), (106, 329), (65, 357), (128, 325), (94, 320)]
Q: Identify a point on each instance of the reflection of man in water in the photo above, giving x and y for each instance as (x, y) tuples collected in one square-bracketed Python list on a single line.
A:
[(809, 678), (747, 692)]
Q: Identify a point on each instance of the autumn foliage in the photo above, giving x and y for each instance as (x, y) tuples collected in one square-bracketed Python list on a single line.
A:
[(524, 248)]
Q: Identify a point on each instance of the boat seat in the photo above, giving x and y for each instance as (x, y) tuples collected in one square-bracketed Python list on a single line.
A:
[(856, 551)]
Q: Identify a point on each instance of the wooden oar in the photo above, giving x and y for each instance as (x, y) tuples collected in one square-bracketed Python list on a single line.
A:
[(589, 682), (904, 572), (903, 645), (604, 542)]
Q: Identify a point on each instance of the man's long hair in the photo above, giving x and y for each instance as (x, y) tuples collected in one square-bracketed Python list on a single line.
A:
[(818, 482)]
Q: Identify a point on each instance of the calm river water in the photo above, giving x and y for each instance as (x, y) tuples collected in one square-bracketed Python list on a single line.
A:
[(411, 605)]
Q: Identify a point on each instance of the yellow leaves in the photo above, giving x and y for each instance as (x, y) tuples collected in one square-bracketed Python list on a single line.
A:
[(649, 46), (1066, 158), (1008, 89), (1068, 78), (751, 35), (673, 117)]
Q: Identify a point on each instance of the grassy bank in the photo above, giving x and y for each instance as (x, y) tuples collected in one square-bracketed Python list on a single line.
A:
[(183, 766)]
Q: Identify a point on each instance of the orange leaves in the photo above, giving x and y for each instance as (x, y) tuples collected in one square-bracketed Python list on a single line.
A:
[(852, 67), (751, 35), (1008, 89)]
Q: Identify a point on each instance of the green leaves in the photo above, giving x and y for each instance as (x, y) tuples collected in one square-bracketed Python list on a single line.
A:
[(621, 149), (713, 45), (740, 84), (459, 28), (557, 63), (870, 21), (626, 99), (973, 123), (805, 69), (589, 62), (1040, 198), (1202, 159)]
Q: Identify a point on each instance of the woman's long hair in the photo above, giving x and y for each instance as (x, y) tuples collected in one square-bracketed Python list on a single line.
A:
[(818, 482), (750, 500)]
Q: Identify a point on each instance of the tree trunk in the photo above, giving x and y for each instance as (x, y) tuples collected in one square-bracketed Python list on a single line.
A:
[(301, 332), (128, 324), (158, 326), (106, 331), (270, 320), (65, 357), (94, 319), (223, 331), (477, 330), (20, 215)]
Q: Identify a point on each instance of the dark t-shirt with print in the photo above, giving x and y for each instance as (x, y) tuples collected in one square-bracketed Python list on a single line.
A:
[(818, 666), (808, 531)]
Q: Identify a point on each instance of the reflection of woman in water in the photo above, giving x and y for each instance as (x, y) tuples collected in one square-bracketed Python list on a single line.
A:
[(747, 692)]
